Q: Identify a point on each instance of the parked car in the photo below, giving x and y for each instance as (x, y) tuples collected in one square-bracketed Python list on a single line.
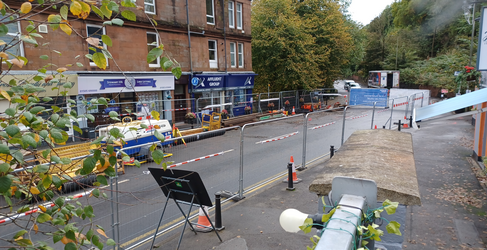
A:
[(354, 85), (347, 84)]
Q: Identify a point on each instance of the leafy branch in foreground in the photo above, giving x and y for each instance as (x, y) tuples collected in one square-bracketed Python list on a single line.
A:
[(33, 167)]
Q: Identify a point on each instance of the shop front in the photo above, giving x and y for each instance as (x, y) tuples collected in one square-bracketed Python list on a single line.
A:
[(230, 91), (240, 87), (207, 89), (132, 95)]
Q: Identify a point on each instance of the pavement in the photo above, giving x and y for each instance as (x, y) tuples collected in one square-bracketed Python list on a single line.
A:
[(452, 215)]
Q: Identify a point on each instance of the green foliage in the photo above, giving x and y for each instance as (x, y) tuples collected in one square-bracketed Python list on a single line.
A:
[(297, 45), (426, 40), (32, 120)]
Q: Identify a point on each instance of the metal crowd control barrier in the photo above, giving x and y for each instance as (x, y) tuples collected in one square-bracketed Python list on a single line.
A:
[(114, 188)]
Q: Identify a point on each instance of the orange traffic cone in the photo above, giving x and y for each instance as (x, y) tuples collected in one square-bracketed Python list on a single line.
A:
[(294, 112), (295, 176), (203, 225), (405, 125), (375, 127)]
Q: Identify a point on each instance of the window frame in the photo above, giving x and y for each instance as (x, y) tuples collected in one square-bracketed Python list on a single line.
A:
[(104, 32), (231, 14), (239, 14), (213, 63), (152, 65), (234, 54), (15, 35), (152, 4), (212, 12), (240, 54)]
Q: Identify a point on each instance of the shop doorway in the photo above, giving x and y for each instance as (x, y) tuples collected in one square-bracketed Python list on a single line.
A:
[(180, 103)]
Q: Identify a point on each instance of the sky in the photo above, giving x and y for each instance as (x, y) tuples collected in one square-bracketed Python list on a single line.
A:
[(364, 11)]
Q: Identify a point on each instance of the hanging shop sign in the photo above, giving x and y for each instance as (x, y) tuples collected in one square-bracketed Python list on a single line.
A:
[(240, 81), (90, 84)]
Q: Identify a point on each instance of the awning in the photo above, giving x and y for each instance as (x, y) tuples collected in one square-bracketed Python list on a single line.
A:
[(452, 104)]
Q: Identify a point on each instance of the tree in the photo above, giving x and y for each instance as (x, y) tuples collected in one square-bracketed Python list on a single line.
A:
[(333, 41), (30, 123), (281, 48), (298, 44)]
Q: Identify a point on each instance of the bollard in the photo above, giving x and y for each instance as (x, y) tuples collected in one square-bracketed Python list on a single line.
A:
[(290, 177), (332, 151), (411, 121), (218, 212), (399, 126)]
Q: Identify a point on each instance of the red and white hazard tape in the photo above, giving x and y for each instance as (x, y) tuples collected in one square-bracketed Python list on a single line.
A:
[(356, 117), (321, 126), (380, 111), (50, 204), (201, 158), (277, 139), (400, 104), (419, 98)]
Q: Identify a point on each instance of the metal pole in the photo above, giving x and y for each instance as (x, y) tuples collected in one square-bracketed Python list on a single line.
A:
[(399, 125), (290, 177), (407, 107), (471, 40), (240, 178), (218, 211), (343, 125), (259, 110), (373, 113), (392, 109), (305, 135), (113, 212), (422, 98)]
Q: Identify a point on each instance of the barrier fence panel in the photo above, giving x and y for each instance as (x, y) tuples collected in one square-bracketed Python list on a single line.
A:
[(268, 147), (289, 100), (269, 102), (319, 125), (140, 200), (181, 108), (208, 105)]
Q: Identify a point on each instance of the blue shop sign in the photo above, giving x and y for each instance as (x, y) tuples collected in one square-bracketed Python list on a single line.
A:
[(240, 81), (208, 83)]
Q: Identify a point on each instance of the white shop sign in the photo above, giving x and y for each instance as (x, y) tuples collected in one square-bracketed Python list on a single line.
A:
[(116, 84)]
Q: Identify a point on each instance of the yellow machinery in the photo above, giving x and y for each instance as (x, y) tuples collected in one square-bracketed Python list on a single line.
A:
[(211, 122)]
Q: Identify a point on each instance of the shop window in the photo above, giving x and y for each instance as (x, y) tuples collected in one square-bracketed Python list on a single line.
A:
[(240, 55), (150, 6), (210, 12), (153, 42), (231, 14), (238, 97), (13, 45), (239, 16), (95, 31), (212, 54), (233, 55)]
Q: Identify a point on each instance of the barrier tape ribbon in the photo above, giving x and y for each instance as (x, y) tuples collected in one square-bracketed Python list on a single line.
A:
[(277, 139), (198, 159)]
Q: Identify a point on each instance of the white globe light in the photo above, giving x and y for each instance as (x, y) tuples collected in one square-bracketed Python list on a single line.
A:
[(291, 219)]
